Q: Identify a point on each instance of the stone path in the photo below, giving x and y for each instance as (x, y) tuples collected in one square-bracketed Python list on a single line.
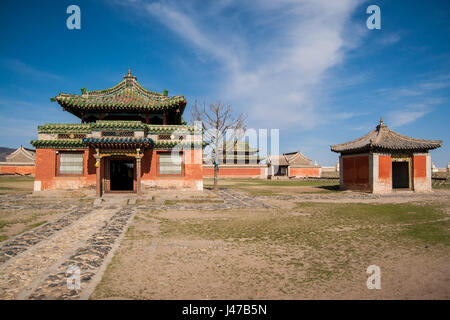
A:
[(38, 264), (14, 246), (226, 199), (34, 263), (239, 200)]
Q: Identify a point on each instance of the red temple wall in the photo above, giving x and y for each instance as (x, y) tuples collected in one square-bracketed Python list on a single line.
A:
[(192, 170), (355, 171), (420, 166), (22, 170), (304, 172), (233, 172), (46, 171), (421, 181), (384, 168)]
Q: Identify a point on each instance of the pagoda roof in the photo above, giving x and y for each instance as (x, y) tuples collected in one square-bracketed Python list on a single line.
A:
[(126, 96), (384, 139)]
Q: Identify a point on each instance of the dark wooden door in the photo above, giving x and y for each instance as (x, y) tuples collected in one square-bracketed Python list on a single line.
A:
[(400, 175)]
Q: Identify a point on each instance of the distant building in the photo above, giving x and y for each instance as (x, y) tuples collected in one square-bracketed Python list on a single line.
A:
[(238, 161), (293, 165), (240, 153), (21, 161), (384, 160)]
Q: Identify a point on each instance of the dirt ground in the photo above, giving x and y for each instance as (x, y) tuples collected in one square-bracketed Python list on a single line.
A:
[(318, 249), (252, 240)]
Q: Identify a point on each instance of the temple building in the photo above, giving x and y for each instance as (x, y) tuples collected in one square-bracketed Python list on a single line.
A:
[(240, 153), (238, 160), (293, 165), (19, 162), (384, 160), (130, 139)]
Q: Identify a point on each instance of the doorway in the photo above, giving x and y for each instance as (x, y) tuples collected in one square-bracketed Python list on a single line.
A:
[(281, 171), (121, 175), (400, 175)]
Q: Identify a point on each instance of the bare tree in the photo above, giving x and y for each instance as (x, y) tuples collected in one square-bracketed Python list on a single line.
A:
[(221, 130)]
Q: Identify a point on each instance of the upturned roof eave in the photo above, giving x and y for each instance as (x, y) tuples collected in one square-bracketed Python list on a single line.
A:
[(384, 139), (383, 148)]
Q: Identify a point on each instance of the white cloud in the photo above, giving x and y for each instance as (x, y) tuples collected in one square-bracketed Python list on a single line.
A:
[(418, 100), (402, 117), (20, 67), (274, 55)]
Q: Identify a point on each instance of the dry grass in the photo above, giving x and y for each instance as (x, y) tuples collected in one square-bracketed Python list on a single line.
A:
[(15, 184), (316, 250), (263, 187)]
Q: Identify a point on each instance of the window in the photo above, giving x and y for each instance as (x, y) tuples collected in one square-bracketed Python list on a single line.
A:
[(71, 163), (170, 163)]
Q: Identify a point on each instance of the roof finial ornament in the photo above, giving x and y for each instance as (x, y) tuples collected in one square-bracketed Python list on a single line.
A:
[(381, 120), (129, 71)]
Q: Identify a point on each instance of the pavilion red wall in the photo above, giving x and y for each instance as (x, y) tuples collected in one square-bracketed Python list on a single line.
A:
[(192, 171), (46, 171), (355, 171), (422, 180), (420, 166)]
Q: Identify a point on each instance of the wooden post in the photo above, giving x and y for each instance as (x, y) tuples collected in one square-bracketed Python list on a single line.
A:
[(138, 171), (147, 118), (164, 119), (98, 161)]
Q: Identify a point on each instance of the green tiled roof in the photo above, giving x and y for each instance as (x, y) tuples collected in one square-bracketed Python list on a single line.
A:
[(176, 145), (110, 124), (172, 128), (125, 96), (78, 143), (65, 128), (120, 124), (60, 143)]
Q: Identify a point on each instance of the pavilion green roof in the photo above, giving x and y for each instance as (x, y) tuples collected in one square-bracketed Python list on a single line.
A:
[(127, 96), (118, 124), (112, 124), (80, 144), (59, 143), (65, 128)]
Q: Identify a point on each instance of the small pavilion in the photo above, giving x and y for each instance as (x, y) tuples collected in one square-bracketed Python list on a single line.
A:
[(384, 160)]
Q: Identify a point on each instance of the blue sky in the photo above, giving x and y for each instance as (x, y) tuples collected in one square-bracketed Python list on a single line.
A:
[(310, 68)]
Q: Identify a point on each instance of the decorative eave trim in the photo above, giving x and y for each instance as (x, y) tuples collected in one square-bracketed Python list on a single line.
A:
[(60, 143), (64, 128), (108, 124), (163, 145), (121, 143), (85, 128), (388, 150)]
